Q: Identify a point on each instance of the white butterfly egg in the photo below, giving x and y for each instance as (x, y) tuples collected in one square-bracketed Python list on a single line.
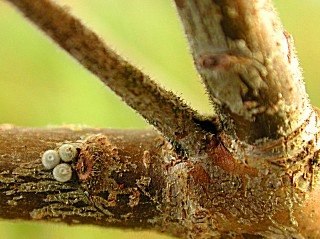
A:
[(67, 152), (50, 159), (62, 172)]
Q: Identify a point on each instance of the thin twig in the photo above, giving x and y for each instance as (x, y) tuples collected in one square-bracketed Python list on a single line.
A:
[(174, 119), (248, 65)]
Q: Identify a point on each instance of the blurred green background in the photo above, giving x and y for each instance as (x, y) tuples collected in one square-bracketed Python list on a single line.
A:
[(40, 85)]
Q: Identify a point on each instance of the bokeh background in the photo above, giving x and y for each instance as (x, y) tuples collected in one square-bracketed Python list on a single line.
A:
[(40, 85)]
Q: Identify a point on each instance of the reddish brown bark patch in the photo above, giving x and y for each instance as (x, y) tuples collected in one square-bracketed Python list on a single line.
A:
[(84, 166), (96, 151), (200, 175), (222, 158)]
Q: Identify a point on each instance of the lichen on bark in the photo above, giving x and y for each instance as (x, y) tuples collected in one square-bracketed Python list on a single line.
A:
[(253, 172), (118, 188)]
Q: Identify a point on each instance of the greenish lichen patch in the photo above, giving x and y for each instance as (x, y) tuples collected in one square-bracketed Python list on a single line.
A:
[(59, 211)]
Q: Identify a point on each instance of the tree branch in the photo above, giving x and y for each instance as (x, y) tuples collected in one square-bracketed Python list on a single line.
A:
[(133, 179), (118, 179), (174, 119), (248, 64), (137, 179)]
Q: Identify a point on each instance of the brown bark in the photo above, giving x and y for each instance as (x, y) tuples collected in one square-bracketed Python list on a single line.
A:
[(256, 178), (118, 178), (248, 64), (161, 108), (133, 179)]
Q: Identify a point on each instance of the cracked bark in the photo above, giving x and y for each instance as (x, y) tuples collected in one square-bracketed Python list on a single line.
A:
[(134, 179), (111, 183), (256, 178), (248, 64)]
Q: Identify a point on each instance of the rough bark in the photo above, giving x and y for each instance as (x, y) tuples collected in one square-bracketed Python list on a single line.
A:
[(248, 64), (256, 178), (115, 168), (161, 108), (133, 179)]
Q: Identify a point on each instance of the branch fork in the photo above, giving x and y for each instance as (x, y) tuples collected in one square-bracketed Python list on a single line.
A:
[(254, 169)]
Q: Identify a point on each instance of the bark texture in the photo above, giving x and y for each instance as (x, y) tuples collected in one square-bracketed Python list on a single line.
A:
[(133, 179), (248, 64), (118, 177), (256, 177), (161, 108)]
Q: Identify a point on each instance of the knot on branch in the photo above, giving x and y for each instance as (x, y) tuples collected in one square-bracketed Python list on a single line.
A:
[(94, 154)]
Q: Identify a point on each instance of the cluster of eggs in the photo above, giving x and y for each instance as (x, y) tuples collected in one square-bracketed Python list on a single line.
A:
[(51, 159)]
